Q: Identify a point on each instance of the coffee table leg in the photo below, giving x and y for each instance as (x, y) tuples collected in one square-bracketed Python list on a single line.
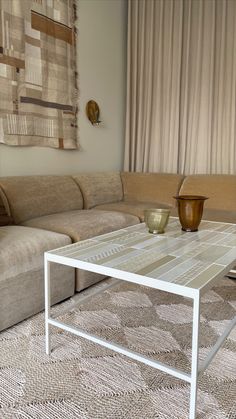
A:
[(195, 349), (47, 305)]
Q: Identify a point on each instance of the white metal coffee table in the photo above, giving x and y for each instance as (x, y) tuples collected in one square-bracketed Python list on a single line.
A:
[(185, 264)]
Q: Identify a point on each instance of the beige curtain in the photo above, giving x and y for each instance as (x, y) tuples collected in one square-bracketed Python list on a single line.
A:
[(181, 86)]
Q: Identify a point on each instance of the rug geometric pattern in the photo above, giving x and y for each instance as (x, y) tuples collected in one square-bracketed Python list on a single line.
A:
[(85, 381)]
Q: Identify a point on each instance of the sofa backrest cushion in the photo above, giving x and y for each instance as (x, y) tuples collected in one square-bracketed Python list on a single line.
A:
[(34, 196), (100, 188), (151, 187), (220, 189)]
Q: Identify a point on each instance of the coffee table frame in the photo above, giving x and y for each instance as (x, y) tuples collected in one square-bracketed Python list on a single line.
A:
[(192, 293)]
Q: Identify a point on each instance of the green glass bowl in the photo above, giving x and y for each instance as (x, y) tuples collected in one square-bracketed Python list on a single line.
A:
[(156, 219)]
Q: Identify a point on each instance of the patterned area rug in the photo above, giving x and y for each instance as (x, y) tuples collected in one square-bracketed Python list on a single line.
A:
[(84, 380)]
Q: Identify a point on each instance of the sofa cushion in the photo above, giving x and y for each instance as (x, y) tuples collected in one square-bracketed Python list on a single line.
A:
[(22, 249), (22, 273), (100, 188), (84, 279), (34, 196), (80, 225), (213, 215), (219, 215), (22, 295), (220, 189), (135, 208), (151, 187)]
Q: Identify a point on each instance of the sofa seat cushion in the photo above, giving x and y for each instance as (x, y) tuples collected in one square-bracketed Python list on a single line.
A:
[(22, 249), (133, 207), (22, 273), (99, 187), (219, 215), (80, 225)]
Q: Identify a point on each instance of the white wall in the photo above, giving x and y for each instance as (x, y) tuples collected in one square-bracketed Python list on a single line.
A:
[(101, 65)]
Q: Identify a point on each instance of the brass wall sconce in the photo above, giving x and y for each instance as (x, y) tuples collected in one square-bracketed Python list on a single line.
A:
[(93, 112)]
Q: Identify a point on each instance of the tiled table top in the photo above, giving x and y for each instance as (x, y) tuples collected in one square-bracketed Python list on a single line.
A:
[(185, 259)]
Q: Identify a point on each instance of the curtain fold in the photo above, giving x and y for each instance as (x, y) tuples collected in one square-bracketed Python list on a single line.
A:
[(154, 52), (181, 86)]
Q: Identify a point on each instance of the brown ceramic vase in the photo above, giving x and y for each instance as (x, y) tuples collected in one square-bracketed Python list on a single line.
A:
[(190, 209)]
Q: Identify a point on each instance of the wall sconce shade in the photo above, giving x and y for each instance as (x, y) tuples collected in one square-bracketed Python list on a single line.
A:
[(93, 112)]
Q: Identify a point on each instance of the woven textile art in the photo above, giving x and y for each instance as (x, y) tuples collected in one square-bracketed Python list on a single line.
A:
[(38, 93), (82, 380)]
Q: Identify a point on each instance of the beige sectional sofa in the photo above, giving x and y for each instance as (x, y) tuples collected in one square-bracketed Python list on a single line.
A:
[(52, 211)]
